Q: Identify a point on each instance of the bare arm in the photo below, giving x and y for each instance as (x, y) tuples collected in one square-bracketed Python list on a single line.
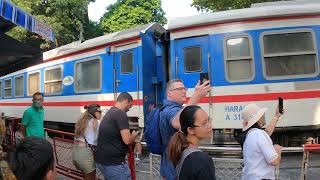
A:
[(23, 130), (276, 161), (176, 121), (127, 137), (199, 92), (272, 125)]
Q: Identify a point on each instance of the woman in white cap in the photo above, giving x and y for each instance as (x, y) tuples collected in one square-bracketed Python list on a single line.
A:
[(259, 154)]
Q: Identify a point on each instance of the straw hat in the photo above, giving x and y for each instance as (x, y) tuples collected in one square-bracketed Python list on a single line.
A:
[(251, 114)]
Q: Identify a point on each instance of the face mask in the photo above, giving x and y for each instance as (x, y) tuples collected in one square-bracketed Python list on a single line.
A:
[(37, 104)]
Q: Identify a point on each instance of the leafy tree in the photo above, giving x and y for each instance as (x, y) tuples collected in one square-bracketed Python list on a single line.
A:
[(126, 14), (220, 5), (68, 18)]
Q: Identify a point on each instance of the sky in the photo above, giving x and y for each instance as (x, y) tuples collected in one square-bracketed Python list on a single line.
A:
[(172, 8)]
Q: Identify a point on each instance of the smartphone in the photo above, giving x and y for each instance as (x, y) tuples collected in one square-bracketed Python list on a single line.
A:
[(280, 99), (204, 77)]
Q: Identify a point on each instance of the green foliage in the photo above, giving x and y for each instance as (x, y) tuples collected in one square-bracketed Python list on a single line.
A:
[(67, 18), (125, 14), (220, 5)]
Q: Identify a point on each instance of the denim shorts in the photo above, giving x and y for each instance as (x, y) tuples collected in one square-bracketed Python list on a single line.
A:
[(115, 172)]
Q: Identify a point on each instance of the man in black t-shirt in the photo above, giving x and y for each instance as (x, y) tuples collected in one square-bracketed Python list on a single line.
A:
[(113, 140)]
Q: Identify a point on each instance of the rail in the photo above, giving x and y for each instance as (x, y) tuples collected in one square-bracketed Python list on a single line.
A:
[(308, 149), (238, 149)]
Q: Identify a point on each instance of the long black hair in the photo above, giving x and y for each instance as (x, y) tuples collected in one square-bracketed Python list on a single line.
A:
[(178, 143)]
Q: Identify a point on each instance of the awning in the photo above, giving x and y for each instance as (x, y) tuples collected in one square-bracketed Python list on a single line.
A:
[(11, 15), (15, 55)]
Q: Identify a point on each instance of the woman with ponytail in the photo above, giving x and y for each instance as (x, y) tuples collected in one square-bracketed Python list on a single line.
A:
[(190, 162), (86, 135)]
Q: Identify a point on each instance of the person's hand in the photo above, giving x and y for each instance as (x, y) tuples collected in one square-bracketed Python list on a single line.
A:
[(278, 148), (277, 113), (202, 90), (138, 148), (135, 133)]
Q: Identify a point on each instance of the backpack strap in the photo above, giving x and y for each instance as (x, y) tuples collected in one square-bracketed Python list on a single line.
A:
[(159, 118), (185, 154)]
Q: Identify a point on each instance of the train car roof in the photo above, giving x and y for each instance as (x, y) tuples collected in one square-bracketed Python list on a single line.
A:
[(259, 10), (101, 40)]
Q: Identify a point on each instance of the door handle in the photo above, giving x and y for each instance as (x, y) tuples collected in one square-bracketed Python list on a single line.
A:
[(118, 82)]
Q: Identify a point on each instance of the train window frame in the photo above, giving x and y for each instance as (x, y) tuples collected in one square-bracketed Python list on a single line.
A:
[(31, 73), (52, 81), (0, 88), (184, 60), (5, 88), (76, 79), (14, 89), (251, 57), (301, 30), (132, 70)]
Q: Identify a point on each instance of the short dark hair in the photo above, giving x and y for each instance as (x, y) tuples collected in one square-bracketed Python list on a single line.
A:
[(124, 96), (36, 94), (32, 158)]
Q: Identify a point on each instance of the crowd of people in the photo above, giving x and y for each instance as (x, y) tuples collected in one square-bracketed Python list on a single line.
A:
[(102, 141)]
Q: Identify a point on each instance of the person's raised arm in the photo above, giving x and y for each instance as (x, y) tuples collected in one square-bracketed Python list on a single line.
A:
[(200, 91), (272, 125)]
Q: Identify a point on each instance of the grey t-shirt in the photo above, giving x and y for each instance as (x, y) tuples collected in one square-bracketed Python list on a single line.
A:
[(111, 150)]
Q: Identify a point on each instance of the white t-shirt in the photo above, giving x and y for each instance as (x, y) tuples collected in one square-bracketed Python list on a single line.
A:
[(258, 152), (90, 134)]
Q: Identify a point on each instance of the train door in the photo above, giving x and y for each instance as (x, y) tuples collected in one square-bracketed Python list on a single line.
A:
[(191, 59), (126, 69)]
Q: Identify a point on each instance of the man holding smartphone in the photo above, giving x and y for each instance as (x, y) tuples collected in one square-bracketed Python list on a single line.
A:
[(170, 115), (113, 140)]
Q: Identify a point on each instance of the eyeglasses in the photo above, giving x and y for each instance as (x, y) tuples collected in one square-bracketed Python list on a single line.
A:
[(179, 89), (207, 125)]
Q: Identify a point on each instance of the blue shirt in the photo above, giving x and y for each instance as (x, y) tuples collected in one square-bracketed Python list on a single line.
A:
[(170, 110)]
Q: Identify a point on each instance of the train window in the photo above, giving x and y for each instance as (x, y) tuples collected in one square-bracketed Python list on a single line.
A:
[(88, 75), (126, 62), (33, 83), (192, 59), (239, 63), (289, 54), (7, 88), (53, 80), (18, 86)]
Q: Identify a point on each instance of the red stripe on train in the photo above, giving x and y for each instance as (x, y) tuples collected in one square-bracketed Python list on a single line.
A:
[(262, 97), (215, 99)]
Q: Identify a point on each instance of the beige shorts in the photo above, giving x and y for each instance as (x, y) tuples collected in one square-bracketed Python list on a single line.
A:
[(82, 158)]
